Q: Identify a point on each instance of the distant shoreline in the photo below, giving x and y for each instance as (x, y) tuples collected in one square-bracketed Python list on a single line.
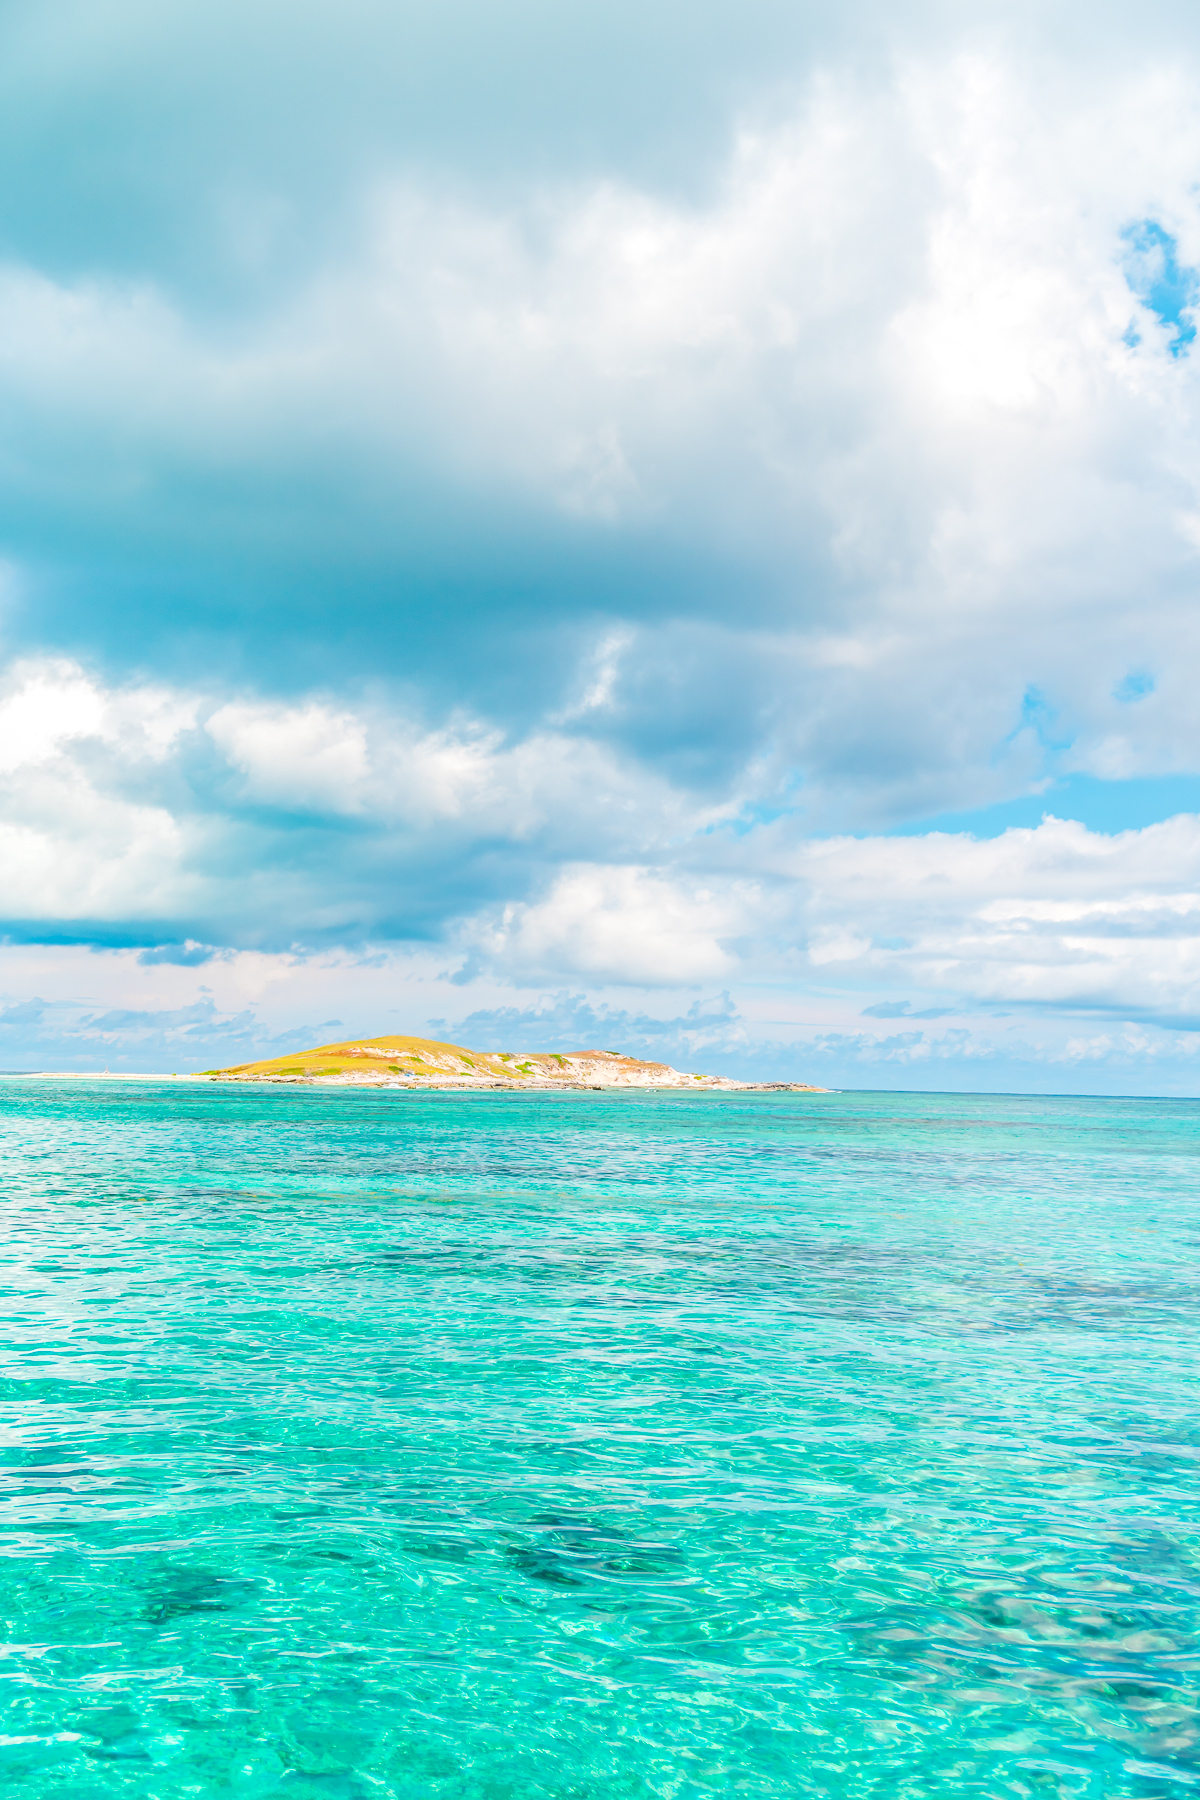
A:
[(418, 1086), (92, 1075)]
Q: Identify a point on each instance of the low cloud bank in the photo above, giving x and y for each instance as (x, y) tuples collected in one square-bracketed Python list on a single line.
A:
[(196, 838), (149, 816), (250, 1006)]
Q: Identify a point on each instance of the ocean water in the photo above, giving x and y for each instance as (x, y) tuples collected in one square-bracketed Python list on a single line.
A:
[(582, 1446)]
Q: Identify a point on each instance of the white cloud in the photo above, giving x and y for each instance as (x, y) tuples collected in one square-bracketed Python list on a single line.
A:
[(94, 860), (616, 925), (104, 816), (1053, 918), (75, 843), (1057, 916), (109, 809), (45, 710), (835, 945), (882, 367), (890, 343), (46, 705), (295, 756)]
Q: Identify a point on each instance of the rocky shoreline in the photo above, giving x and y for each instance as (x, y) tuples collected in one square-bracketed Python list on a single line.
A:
[(418, 1086)]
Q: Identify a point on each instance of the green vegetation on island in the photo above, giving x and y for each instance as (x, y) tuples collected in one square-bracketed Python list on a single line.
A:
[(408, 1062)]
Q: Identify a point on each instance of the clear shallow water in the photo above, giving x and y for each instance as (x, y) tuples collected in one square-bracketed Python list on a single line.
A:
[(362, 1445)]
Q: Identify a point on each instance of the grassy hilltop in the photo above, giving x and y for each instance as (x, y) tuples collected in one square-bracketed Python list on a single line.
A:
[(406, 1059)]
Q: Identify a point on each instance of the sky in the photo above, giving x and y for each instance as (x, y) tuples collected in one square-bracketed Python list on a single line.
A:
[(672, 528)]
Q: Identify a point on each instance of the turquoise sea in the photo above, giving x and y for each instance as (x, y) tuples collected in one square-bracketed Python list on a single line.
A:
[(579, 1446)]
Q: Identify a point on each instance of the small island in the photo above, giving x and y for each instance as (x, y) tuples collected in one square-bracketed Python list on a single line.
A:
[(415, 1062)]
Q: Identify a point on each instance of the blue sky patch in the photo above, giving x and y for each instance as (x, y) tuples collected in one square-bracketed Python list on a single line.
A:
[(1164, 286), (1100, 805), (1136, 685)]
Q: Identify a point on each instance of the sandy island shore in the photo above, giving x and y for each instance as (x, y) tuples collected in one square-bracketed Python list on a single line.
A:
[(716, 1084), (424, 1065), (410, 1063), (92, 1075)]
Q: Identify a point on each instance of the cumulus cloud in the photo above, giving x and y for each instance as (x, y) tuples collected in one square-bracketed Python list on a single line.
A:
[(79, 836), (302, 757), (624, 925), (894, 376), (46, 705), (149, 814), (1054, 918), (144, 809), (1058, 916)]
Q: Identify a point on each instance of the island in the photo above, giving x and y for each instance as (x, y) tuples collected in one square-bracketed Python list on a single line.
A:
[(416, 1062)]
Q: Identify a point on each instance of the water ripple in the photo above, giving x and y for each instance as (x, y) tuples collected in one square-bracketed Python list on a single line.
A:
[(611, 1446)]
